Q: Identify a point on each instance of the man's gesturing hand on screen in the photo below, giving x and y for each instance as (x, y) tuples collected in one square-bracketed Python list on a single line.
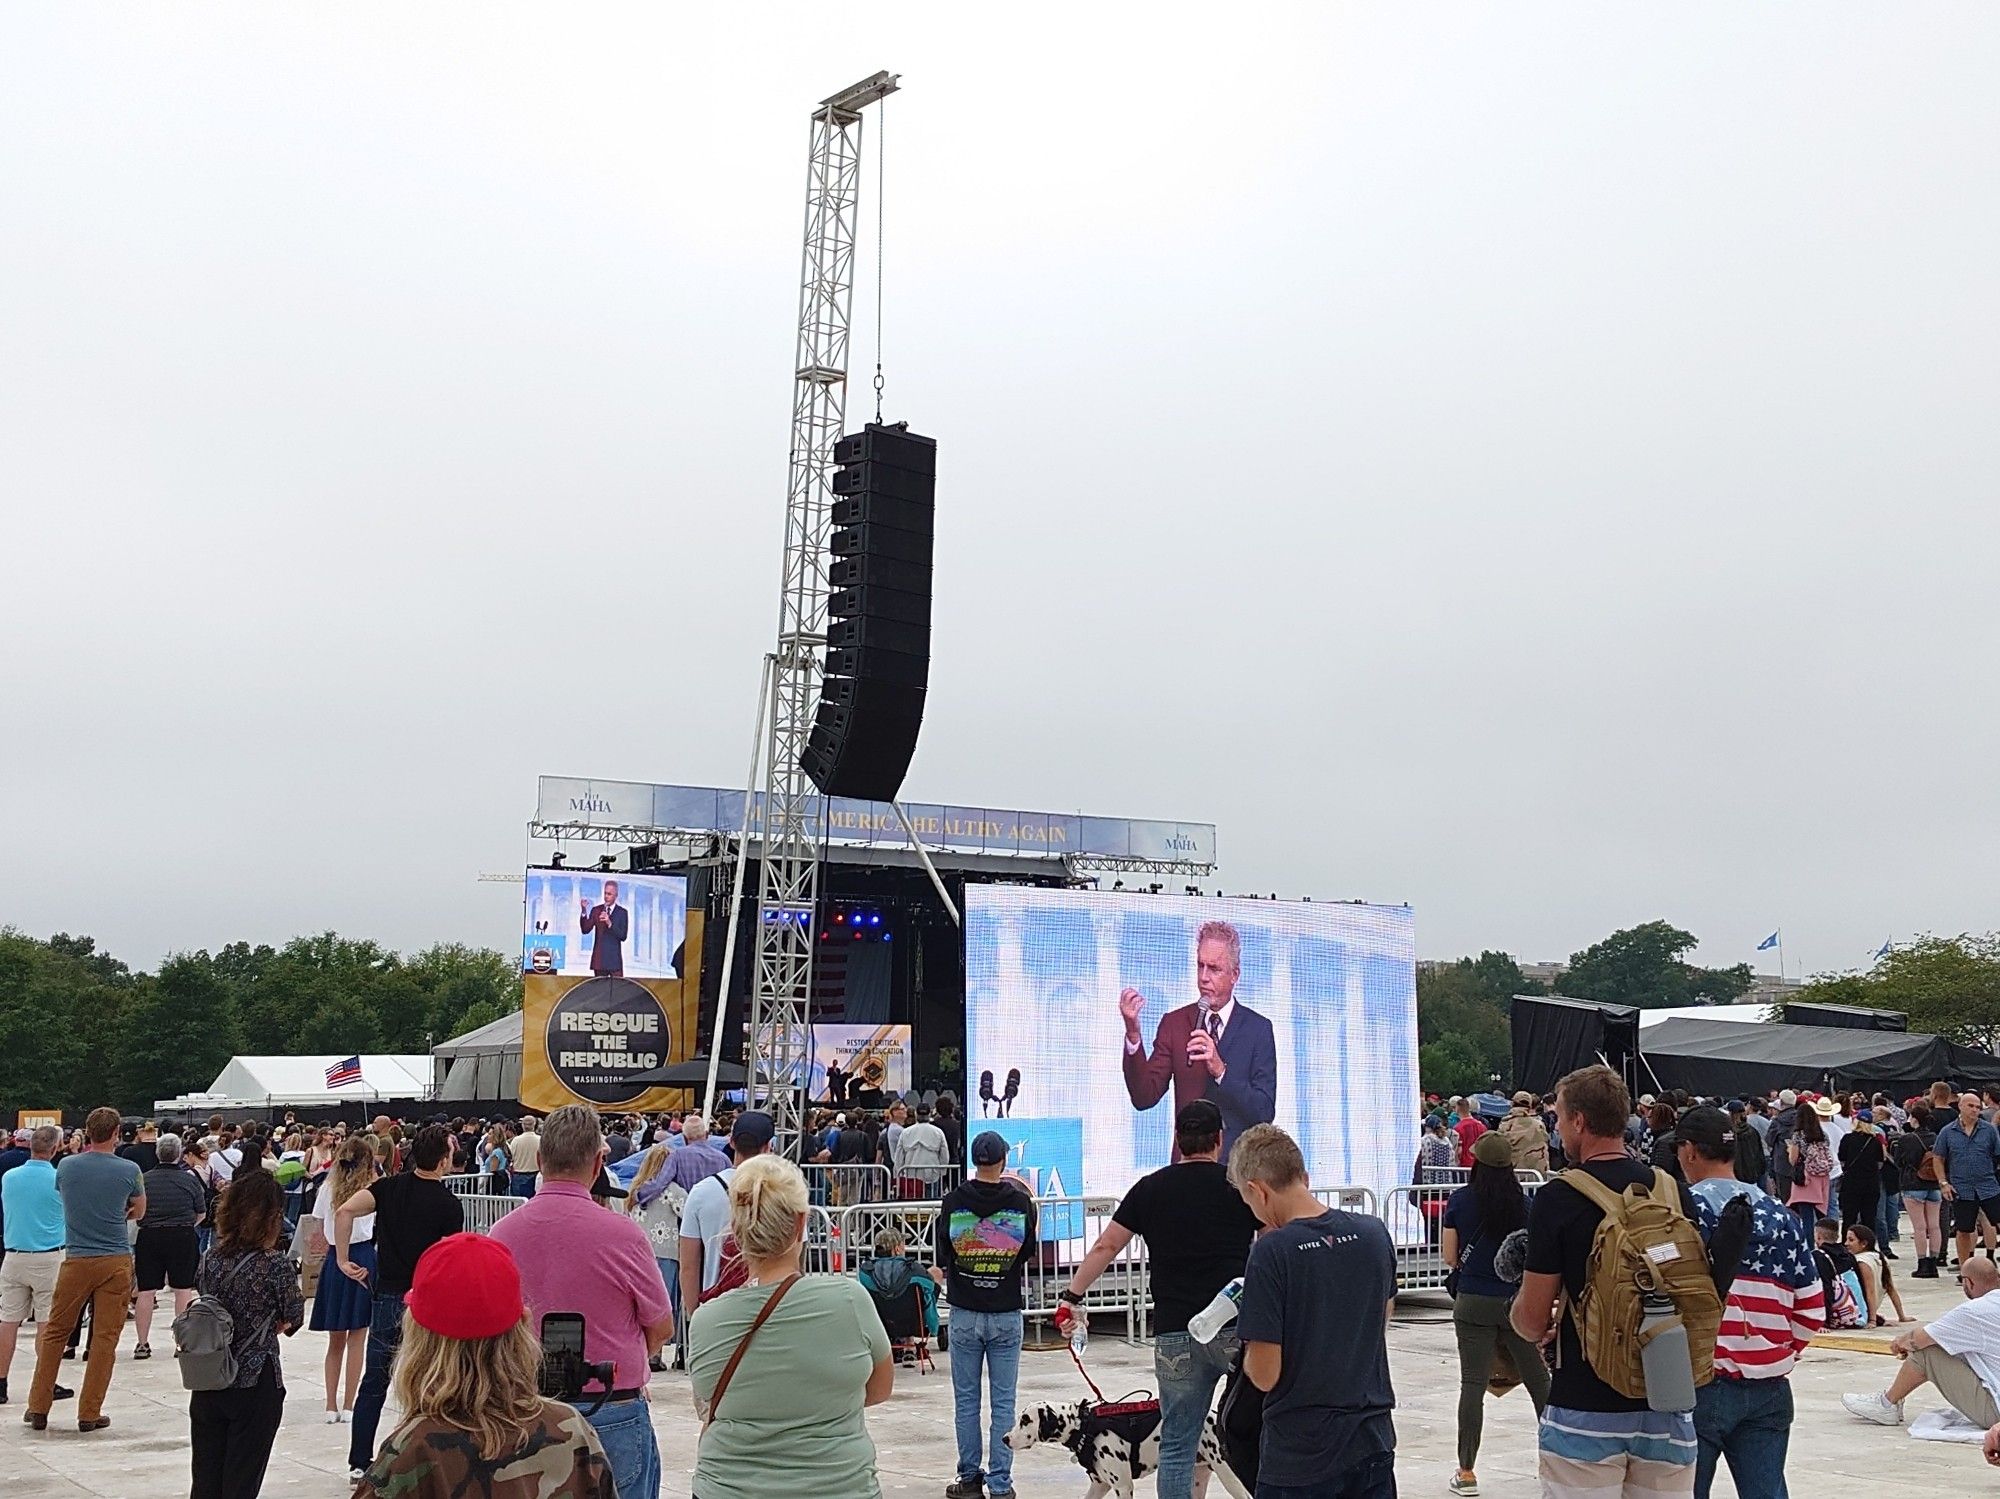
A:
[(1130, 1003)]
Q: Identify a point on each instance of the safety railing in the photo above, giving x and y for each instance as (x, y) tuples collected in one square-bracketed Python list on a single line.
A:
[(470, 1183), (482, 1210), (1349, 1198), (1414, 1217), (835, 1187)]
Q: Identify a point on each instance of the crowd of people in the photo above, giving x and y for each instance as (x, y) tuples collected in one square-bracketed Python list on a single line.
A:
[(519, 1358)]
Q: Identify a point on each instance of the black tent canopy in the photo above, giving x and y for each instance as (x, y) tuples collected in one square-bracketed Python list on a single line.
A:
[(1730, 1057), (1554, 1036)]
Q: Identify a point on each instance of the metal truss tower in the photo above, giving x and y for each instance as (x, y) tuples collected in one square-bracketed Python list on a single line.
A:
[(788, 886)]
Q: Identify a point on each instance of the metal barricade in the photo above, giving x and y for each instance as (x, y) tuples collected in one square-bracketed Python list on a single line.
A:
[(483, 1210), (1414, 1217), (824, 1254), (469, 1183), (833, 1186), (1349, 1198)]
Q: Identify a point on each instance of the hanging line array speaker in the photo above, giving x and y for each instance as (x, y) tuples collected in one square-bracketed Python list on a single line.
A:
[(878, 633)]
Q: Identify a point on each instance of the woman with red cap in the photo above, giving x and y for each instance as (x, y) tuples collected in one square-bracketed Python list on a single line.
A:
[(474, 1420)]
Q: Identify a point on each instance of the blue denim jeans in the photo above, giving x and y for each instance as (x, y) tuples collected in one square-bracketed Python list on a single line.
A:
[(1748, 1422), (521, 1184), (385, 1336), (1187, 1371), (625, 1427), (1374, 1479), (1888, 1213), (994, 1339)]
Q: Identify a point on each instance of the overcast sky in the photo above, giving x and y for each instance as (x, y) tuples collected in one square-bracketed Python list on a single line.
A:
[(1521, 461)]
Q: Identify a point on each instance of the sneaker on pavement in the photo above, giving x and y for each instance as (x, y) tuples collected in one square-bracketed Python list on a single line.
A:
[(965, 1488), (1464, 1483), (1875, 1407)]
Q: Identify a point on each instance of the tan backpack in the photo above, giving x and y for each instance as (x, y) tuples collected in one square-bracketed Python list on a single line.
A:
[(1645, 1244)]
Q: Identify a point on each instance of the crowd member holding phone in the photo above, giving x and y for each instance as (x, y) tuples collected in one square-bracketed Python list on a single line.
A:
[(473, 1417), (579, 1258)]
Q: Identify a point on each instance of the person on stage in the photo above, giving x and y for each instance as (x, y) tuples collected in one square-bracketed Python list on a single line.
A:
[(1214, 1048), (610, 922)]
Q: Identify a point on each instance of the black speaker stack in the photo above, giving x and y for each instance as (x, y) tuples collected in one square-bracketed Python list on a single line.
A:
[(878, 635)]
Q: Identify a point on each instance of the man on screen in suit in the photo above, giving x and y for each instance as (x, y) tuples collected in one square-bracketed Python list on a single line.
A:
[(610, 922), (1214, 1048)]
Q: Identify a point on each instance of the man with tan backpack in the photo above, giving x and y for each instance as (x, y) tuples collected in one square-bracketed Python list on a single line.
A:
[(1617, 1275)]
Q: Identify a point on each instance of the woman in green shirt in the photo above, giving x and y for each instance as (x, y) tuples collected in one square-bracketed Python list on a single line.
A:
[(789, 1420)]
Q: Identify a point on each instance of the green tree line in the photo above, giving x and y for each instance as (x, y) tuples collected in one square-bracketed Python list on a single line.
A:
[(1464, 1039), (79, 1028)]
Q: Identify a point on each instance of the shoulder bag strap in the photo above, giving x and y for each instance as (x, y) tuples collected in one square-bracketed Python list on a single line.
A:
[(729, 1369)]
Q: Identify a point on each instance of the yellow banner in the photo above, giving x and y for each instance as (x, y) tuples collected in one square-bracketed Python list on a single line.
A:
[(582, 1039)]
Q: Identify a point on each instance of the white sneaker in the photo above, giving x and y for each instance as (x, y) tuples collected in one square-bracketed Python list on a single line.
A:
[(347, 1416), (333, 1418), (1875, 1407), (355, 1475)]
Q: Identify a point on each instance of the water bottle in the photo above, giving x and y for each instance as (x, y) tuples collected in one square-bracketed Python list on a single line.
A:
[(1218, 1314), (1665, 1356)]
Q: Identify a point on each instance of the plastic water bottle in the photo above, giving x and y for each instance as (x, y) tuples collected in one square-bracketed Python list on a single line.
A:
[(1218, 1314), (1665, 1357)]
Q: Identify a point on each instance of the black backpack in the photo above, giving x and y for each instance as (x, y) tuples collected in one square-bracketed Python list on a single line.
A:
[(1239, 1423)]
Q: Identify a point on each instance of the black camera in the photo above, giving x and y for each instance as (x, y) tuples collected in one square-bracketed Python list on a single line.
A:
[(565, 1371)]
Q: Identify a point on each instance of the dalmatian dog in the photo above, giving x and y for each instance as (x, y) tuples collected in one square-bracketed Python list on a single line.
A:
[(1109, 1461)]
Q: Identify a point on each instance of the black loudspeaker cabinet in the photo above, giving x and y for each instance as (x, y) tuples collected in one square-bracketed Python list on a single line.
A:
[(879, 613)]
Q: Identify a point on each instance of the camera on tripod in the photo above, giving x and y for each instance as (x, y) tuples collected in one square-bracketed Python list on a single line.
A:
[(565, 1371)]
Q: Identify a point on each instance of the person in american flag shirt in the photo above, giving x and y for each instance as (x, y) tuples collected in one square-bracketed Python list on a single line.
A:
[(1775, 1305)]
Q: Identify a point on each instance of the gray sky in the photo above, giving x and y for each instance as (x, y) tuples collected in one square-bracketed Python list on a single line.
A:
[(1523, 461)]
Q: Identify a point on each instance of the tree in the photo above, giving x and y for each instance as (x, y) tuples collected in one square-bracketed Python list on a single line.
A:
[(1450, 1065), (1452, 1005), (177, 1032), (463, 988), (1948, 986), (1645, 966), (56, 1011)]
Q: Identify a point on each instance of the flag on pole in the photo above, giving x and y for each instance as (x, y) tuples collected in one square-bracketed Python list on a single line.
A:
[(1770, 941), (1883, 951), (341, 1073)]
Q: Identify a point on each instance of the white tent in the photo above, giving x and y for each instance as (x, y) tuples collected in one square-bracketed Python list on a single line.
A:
[(300, 1082), (482, 1064), (1747, 1014)]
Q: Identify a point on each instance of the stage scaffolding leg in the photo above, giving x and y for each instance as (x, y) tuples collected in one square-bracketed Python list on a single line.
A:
[(788, 867), (736, 891)]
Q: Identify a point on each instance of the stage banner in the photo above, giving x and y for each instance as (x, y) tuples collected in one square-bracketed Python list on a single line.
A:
[(1106, 1012), (870, 1057), (582, 1038), (587, 924)]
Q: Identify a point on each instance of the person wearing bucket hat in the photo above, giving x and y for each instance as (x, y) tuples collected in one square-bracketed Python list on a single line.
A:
[(1477, 1220), (1526, 1136), (466, 1377)]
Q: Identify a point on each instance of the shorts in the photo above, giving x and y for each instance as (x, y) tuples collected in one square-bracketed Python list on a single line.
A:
[(166, 1257), (1925, 1193), (1965, 1212), (28, 1283)]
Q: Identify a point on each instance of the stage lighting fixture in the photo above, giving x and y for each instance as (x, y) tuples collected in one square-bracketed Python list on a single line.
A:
[(606, 862), (1154, 888), (857, 934), (1117, 884), (556, 862), (875, 919)]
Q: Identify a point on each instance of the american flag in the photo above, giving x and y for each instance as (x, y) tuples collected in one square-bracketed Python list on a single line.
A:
[(348, 1071), (1776, 1302)]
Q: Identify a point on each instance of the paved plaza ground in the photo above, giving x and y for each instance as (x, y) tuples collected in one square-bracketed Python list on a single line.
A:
[(144, 1453)]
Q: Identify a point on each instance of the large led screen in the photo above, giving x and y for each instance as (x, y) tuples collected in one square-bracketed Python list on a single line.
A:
[(586, 924), (1091, 1017)]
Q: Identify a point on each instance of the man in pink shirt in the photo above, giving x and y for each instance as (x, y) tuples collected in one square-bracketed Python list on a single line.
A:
[(578, 1257)]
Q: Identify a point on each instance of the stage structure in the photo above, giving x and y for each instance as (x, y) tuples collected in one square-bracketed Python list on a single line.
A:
[(788, 881)]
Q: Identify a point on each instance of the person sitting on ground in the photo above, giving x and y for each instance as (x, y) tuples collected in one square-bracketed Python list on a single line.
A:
[(474, 1419), (1959, 1353), (1876, 1279), (889, 1276), (788, 1420)]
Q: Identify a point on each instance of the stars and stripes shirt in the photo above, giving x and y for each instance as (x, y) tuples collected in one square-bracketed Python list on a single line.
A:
[(1776, 1302)]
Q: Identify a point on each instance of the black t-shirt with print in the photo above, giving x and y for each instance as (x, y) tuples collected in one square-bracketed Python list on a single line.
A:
[(1561, 1224), (1197, 1234)]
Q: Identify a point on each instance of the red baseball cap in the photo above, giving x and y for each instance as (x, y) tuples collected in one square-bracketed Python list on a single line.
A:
[(466, 1286)]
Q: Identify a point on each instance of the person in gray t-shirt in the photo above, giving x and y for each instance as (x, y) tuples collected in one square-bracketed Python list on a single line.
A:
[(167, 1253)]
